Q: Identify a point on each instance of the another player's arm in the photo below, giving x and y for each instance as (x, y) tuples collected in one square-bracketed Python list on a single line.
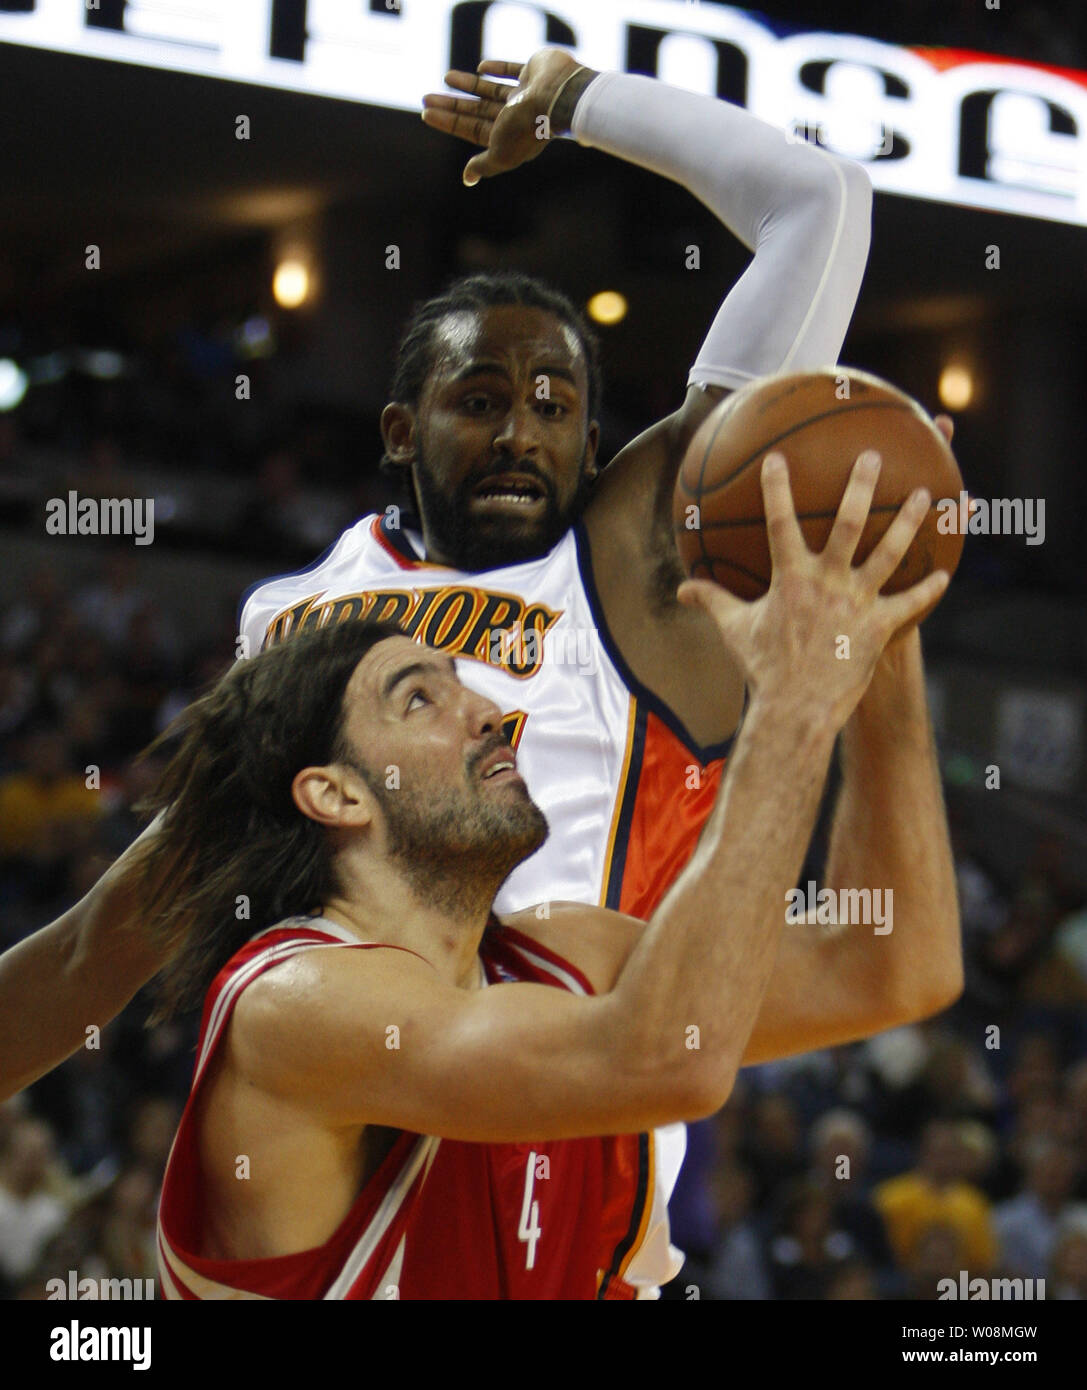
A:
[(80, 970), (889, 833), (376, 1037), (835, 984), (806, 216)]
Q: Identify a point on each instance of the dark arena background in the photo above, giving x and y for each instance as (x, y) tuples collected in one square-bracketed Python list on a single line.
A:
[(227, 352)]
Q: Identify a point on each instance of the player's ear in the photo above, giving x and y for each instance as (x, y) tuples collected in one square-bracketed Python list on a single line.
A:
[(333, 795), (398, 432), (592, 443)]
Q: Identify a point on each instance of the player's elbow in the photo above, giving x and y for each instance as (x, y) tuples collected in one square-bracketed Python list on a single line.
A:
[(856, 183), (939, 991), (852, 204), (707, 1100), (946, 991), (696, 1088), (678, 1071), (837, 196)]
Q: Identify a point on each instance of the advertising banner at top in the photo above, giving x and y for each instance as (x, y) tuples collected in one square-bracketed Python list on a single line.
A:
[(940, 124)]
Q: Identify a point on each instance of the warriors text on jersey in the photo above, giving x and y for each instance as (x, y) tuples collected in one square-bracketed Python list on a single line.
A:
[(624, 789), (575, 1218)]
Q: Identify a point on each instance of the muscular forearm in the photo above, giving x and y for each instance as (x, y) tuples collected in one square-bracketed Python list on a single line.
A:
[(707, 954), (890, 833), (78, 971)]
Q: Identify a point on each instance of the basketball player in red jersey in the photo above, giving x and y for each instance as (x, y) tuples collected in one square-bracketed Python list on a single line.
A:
[(447, 1107), (805, 216)]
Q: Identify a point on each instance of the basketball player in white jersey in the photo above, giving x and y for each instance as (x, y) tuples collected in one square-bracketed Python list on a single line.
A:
[(553, 584), (623, 749)]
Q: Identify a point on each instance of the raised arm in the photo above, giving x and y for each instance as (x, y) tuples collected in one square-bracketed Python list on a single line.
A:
[(806, 216), (78, 971), (889, 847), (804, 213), (519, 1062)]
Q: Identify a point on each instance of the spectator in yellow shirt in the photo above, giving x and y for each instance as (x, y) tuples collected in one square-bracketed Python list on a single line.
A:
[(936, 1194), (45, 800)]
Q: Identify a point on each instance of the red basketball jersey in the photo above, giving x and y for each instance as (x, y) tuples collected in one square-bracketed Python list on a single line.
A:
[(440, 1218)]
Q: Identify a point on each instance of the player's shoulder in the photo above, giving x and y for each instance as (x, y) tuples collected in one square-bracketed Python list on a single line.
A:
[(595, 940), (323, 988), (313, 967), (275, 589)]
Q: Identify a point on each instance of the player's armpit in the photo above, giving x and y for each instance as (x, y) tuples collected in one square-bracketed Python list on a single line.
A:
[(373, 1036), (671, 649), (629, 518), (632, 501)]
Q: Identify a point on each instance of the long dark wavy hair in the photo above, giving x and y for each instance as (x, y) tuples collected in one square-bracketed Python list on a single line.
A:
[(233, 854)]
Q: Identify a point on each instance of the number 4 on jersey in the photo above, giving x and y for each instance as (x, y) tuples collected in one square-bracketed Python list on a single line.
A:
[(528, 1229)]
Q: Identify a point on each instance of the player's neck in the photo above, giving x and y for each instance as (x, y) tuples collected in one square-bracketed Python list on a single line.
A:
[(445, 930), (428, 547)]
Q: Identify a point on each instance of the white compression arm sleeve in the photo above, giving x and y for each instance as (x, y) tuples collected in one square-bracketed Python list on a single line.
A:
[(805, 213)]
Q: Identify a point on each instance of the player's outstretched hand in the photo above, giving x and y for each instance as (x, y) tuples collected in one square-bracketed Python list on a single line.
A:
[(502, 115), (815, 636)]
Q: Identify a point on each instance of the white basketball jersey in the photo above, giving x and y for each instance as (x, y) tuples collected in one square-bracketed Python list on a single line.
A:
[(624, 790)]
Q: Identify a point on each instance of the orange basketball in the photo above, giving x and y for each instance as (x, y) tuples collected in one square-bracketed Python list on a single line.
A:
[(821, 421)]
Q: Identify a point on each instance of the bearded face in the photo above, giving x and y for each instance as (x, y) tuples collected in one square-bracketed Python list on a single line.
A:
[(510, 513), (457, 818), (501, 452), (450, 841)]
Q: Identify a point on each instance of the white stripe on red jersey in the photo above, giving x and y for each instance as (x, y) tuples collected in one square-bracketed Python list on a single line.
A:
[(439, 1218)]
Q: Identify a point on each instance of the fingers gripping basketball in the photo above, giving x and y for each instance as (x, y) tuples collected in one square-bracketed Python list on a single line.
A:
[(822, 421)]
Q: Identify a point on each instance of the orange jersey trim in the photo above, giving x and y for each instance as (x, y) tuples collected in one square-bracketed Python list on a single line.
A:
[(402, 560), (617, 814), (659, 770)]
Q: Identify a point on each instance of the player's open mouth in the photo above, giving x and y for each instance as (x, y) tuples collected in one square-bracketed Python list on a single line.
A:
[(501, 765), (510, 489)]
